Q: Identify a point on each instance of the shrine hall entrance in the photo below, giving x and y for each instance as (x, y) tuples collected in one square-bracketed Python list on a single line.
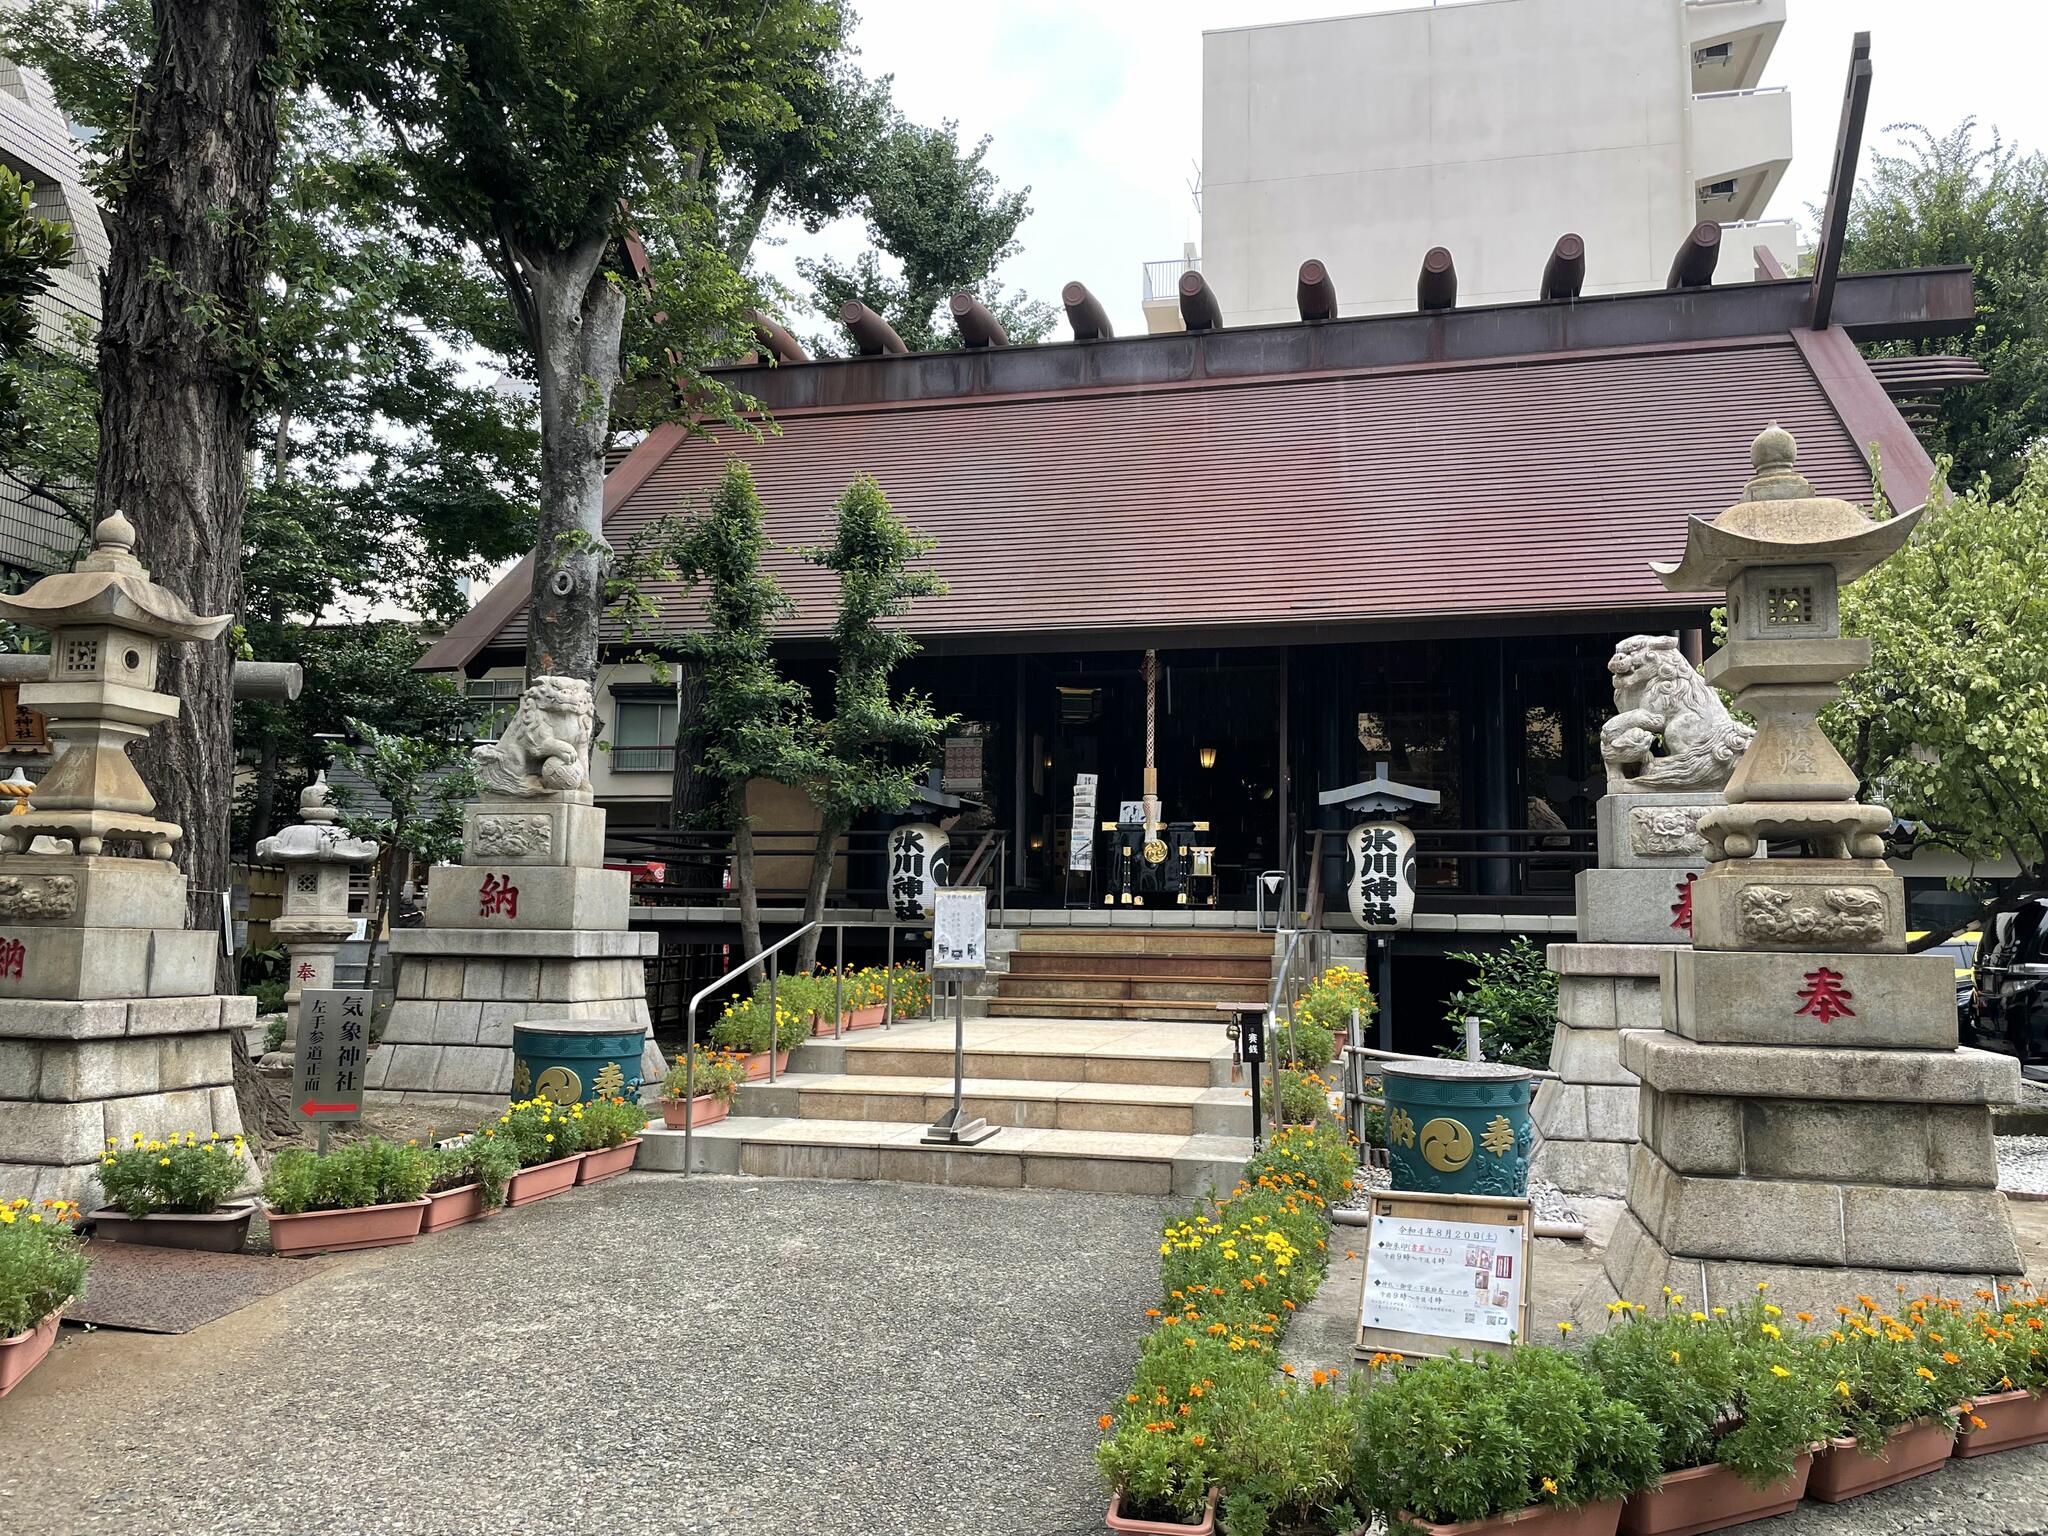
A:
[(1219, 718)]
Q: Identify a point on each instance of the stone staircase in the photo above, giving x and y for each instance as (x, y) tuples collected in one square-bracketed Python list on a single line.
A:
[(1110, 1106), (1132, 973)]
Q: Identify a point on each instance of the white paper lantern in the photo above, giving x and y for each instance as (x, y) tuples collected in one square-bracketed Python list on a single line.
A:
[(1379, 874), (917, 868)]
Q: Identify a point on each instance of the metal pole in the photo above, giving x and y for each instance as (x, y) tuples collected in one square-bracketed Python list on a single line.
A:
[(774, 1017), (1386, 993), (689, 1083), (838, 979), (889, 982), (1472, 1052), (959, 1042), (1275, 1052)]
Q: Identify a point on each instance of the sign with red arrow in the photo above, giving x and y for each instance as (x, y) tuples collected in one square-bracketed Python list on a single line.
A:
[(332, 1053)]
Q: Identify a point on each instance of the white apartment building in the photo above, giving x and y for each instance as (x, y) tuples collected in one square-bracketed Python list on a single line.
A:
[(1488, 128), (37, 144)]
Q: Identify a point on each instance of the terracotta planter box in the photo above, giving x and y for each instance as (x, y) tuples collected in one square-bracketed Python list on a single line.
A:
[(542, 1180), (757, 1064), (1841, 1471), (607, 1161), (21, 1353), (1709, 1498), (868, 1018), (702, 1110), (454, 1207), (221, 1231), (1537, 1520), (362, 1226), (1119, 1522), (820, 1025), (2011, 1420)]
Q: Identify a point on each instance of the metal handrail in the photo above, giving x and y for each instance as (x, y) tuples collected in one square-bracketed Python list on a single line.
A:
[(1754, 90), (771, 954)]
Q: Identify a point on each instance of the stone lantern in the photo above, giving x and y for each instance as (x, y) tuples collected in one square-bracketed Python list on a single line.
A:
[(1808, 1119), (316, 856)]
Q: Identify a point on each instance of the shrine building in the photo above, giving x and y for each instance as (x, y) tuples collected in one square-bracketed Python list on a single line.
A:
[(1399, 543)]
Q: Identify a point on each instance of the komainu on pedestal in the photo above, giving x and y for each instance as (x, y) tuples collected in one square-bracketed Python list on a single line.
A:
[(1807, 1117)]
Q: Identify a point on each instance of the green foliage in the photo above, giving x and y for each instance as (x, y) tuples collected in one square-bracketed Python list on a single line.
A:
[(368, 1172), (274, 1031), (1515, 999), (1304, 1096), (716, 1075), (1305, 1045), (1329, 1002), (873, 753), (1951, 200), (1890, 1368), (1948, 726), (937, 211), (31, 251), (611, 1123), (181, 1175), (1456, 1439), (265, 976), (424, 785), (745, 1024), (1739, 1386), (539, 1130), (42, 1261)]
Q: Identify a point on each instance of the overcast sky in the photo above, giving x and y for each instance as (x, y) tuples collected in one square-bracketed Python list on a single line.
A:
[(1097, 106)]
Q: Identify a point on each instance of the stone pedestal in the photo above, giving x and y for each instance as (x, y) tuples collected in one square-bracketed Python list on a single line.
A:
[(1633, 910), (532, 927)]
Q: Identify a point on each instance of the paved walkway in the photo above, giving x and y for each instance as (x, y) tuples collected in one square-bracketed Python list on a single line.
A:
[(747, 1356)]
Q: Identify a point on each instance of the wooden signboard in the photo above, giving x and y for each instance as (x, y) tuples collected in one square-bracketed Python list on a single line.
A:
[(1444, 1272)]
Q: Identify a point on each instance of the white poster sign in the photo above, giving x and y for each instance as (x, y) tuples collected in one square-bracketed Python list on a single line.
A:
[(960, 929), (1081, 835), (1450, 1279)]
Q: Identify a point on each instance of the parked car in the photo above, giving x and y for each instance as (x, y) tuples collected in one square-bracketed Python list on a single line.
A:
[(2009, 1008), (1961, 951)]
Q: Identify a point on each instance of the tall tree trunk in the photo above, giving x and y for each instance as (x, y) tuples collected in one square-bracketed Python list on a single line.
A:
[(573, 318), (696, 795), (816, 889), (750, 900), (176, 338)]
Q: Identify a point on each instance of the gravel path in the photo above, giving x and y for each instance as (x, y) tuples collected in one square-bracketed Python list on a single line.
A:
[(716, 1356), (2023, 1163)]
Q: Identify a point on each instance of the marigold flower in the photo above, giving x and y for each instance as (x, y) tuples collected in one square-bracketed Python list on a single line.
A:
[(1105, 1421), (1923, 1372), (1779, 1370), (1550, 1485)]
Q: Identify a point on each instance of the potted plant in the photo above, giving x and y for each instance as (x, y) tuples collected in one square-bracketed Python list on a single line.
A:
[(1736, 1405), (711, 1089), (549, 1140), (866, 998), (170, 1193), (913, 990), (367, 1194), (2009, 1373), (746, 1027), (611, 1138), (468, 1181), (1896, 1381), (42, 1266), (1529, 1441)]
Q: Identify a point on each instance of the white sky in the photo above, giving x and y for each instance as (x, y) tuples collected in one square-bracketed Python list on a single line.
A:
[(1097, 106)]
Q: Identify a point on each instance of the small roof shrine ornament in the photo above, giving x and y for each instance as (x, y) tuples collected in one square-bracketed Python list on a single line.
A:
[(1380, 793), (1783, 555), (108, 623)]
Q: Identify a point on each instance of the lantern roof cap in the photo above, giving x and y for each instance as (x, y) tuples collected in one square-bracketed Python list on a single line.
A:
[(110, 586), (1780, 521), (1380, 793)]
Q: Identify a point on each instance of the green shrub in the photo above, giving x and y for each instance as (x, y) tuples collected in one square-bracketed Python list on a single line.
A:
[(42, 1262), (1304, 1096), (611, 1123), (368, 1172), (1514, 997), (540, 1130), (486, 1161), (807, 996), (1457, 1439), (1330, 999), (717, 1075), (1886, 1369), (745, 1026), (273, 1033), (1734, 1387), (183, 1175), (1306, 1045), (1289, 1455)]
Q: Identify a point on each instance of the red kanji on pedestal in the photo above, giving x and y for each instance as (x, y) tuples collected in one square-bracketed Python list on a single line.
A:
[(1825, 997), (305, 972), (1681, 909), (13, 955), (498, 898)]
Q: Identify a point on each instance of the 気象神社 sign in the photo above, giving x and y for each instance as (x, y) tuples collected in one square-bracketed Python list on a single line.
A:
[(332, 1053)]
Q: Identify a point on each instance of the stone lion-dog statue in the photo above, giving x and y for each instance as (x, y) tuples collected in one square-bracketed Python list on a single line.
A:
[(546, 747), (1670, 731)]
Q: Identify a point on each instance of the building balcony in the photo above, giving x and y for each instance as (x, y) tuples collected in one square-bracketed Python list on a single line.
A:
[(1731, 40), (1162, 292), (1741, 145), (1739, 243), (643, 759)]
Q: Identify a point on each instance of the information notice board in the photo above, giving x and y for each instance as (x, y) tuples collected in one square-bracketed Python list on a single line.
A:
[(1444, 1272)]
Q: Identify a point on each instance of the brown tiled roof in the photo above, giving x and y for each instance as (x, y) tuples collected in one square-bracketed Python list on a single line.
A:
[(1431, 492)]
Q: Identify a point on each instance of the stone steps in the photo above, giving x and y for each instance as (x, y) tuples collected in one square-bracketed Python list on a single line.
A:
[(1101, 1162), (1101, 1008), (1041, 1104), (1133, 973), (1136, 988), (1037, 1049), (1170, 942), (1085, 963)]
